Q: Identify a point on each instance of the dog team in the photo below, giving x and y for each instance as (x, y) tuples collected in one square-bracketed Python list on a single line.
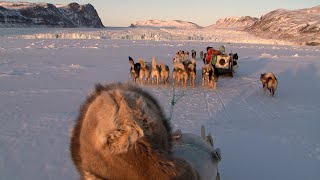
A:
[(184, 69)]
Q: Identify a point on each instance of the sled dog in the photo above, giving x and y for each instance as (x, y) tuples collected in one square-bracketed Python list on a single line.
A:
[(270, 82), (192, 72), (139, 70), (164, 73), (209, 76), (155, 72), (134, 70), (180, 73), (122, 133), (194, 54)]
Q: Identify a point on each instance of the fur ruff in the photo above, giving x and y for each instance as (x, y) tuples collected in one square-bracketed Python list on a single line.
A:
[(122, 133)]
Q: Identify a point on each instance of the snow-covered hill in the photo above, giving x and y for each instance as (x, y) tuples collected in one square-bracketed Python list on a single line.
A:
[(166, 24), (23, 14), (239, 23), (302, 26)]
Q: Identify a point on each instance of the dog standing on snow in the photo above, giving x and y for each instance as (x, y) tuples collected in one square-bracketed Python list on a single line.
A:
[(180, 73), (122, 133), (164, 73), (134, 70), (155, 71), (209, 76), (143, 72), (192, 72), (270, 82)]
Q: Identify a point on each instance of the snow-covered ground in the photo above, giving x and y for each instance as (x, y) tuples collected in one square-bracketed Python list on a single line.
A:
[(44, 81)]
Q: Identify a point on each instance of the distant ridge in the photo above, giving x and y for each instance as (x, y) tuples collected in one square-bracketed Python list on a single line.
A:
[(237, 23), (24, 14), (166, 24)]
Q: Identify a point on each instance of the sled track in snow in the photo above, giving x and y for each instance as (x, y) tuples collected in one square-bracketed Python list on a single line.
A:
[(250, 105), (223, 105), (207, 104), (267, 109)]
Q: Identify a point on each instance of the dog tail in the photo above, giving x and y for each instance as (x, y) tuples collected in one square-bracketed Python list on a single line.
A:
[(154, 63), (131, 61), (142, 63)]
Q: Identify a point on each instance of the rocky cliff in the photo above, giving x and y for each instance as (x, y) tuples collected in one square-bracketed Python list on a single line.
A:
[(73, 15)]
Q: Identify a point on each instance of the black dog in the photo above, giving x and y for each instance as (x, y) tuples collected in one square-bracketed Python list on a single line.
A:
[(193, 54), (235, 59), (134, 70)]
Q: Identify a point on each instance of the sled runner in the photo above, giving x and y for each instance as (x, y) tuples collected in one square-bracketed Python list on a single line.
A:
[(199, 152)]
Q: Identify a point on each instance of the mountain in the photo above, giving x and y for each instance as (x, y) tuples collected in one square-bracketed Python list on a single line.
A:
[(301, 26), (24, 14), (237, 23), (166, 24)]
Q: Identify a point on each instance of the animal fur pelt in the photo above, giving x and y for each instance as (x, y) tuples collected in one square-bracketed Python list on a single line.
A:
[(270, 82), (122, 133)]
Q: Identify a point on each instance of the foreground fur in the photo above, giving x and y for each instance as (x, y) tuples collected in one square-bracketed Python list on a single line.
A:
[(122, 133), (270, 82)]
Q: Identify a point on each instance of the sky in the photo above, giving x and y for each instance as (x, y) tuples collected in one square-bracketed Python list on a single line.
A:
[(121, 13)]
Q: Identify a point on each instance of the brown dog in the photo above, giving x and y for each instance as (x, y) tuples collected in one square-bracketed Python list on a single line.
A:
[(209, 76), (270, 82), (155, 71), (192, 72), (144, 75), (180, 73), (122, 133), (164, 73)]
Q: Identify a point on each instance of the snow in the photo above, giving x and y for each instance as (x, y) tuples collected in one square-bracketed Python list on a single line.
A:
[(167, 24), (157, 34), (44, 81)]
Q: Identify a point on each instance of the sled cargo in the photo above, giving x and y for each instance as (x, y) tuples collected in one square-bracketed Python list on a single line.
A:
[(222, 62)]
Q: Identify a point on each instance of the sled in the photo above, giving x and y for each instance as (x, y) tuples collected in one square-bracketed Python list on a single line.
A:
[(199, 152), (223, 63)]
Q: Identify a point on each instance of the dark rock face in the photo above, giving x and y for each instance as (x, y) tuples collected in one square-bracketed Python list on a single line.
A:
[(48, 15)]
